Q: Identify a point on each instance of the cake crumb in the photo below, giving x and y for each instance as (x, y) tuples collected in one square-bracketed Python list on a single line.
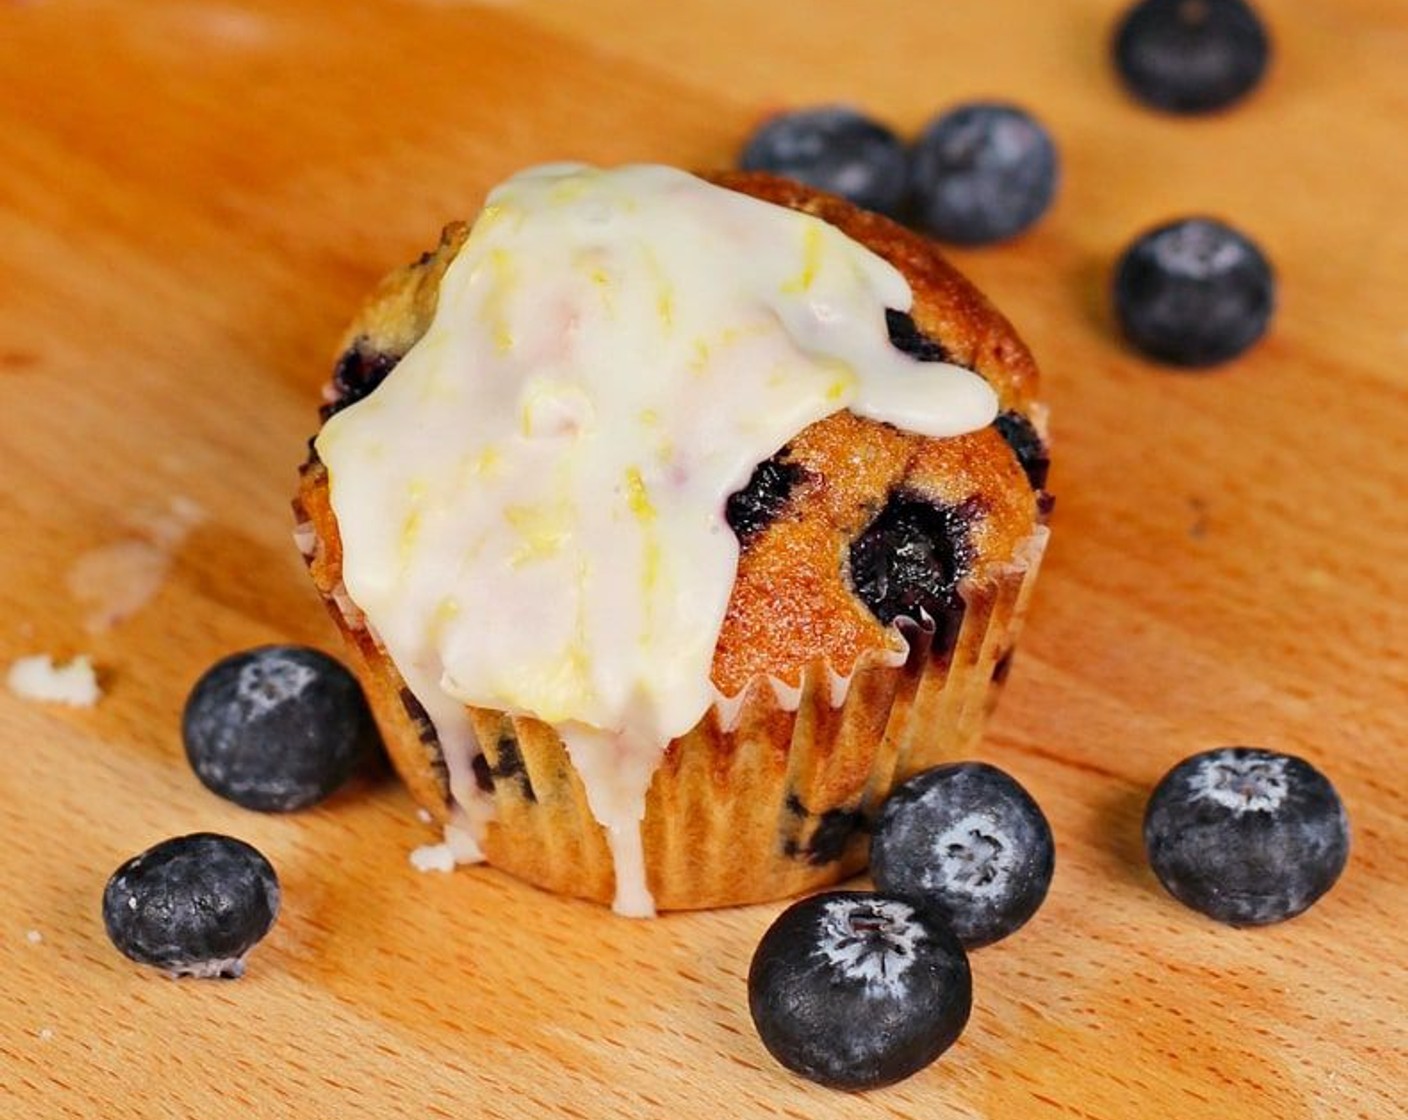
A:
[(46, 1034), (459, 846), (423, 815), (34, 937), (433, 857), (39, 678)]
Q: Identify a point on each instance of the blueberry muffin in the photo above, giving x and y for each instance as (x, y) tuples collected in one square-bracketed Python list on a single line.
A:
[(670, 522)]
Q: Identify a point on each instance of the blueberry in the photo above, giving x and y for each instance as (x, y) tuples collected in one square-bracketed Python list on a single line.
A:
[(1191, 56), (1246, 836), (967, 841), (751, 510), (1026, 444), (909, 560), (359, 371), (276, 728), (906, 337), (835, 149), (857, 990), (193, 905), (982, 172), (829, 834), (1193, 292)]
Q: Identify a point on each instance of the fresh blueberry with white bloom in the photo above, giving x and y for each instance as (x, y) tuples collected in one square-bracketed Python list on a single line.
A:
[(193, 905), (857, 990), (836, 149), (1191, 56), (967, 841), (276, 728), (982, 172), (1193, 292), (1246, 836)]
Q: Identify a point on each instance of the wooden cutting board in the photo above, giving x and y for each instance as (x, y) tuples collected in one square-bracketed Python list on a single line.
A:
[(194, 197)]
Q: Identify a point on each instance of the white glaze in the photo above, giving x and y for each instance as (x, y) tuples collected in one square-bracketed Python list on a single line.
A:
[(531, 505)]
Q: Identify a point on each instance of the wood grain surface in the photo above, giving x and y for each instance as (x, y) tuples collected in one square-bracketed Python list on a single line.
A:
[(194, 196)]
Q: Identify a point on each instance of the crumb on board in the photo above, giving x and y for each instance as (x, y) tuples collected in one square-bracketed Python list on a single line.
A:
[(459, 846), (433, 857), (40, 678), (34, 937)]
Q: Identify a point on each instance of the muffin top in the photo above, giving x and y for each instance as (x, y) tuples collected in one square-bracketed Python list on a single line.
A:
[(533, 508)]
